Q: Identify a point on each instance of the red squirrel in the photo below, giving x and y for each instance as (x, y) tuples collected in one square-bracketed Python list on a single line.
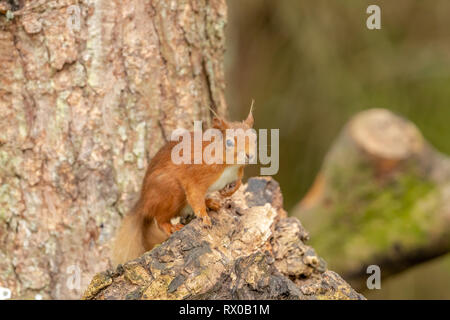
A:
[(169, 189)]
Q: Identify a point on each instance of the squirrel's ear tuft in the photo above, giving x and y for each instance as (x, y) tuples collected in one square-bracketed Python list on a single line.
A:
[(249, 121), (218, 123)]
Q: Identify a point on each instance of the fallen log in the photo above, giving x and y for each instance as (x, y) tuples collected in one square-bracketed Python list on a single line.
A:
[(381, 198), (252, 251)]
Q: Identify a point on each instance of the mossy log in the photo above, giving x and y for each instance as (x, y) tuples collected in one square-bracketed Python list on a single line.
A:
[(382, 197), (252, 251)]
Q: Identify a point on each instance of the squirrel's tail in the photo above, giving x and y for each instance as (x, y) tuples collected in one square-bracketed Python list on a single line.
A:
[(135, 236), (129, 243)]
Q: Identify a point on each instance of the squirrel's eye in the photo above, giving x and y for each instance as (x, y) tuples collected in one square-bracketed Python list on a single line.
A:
[(230, 143)]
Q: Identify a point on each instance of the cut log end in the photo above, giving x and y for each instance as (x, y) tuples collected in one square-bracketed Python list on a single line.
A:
[(384, 135)]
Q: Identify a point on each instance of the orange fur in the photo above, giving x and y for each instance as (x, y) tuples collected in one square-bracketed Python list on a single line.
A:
[(167, 189)]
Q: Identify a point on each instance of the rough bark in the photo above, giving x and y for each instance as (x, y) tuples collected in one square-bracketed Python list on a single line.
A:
[(382, 197), (82, 110), (252, 251)]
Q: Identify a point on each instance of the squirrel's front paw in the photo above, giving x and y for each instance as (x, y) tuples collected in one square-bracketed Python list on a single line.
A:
[(213, 204), (229, 189)]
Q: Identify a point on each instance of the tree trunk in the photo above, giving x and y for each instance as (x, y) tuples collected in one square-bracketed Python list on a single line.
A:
[(252, 251), (382, 197), (89, 91)]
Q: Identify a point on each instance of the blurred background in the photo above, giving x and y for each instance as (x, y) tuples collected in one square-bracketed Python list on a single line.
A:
[(310, 65)]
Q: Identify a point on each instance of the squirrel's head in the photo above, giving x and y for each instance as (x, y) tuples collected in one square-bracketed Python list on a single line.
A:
[(239, 138)]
